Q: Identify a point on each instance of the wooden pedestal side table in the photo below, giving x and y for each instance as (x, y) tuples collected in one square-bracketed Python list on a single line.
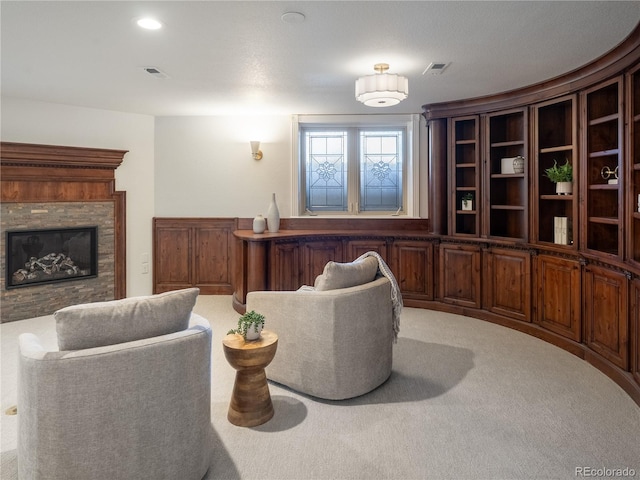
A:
[(250, 401)]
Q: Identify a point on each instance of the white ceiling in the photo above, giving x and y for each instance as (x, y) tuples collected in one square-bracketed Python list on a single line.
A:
[(239, 57)]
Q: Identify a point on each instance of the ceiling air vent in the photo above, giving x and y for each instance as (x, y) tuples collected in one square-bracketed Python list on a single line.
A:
[(435, 68), (155, 72)]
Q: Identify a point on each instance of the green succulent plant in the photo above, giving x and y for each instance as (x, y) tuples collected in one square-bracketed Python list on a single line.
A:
[(246, 321), (560, 173)]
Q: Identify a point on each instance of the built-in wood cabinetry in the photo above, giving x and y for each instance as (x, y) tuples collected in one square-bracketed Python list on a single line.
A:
[(558, 294), (464, 175), (505, 209), (602, 180), (565, 268), (412, 265), (193, 253), (460, 274), (292, 258), (606, 313), (555, 141), (633, 165), (508, 283)]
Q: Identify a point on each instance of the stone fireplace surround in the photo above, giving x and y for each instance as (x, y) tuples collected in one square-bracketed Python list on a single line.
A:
[(52, 187)]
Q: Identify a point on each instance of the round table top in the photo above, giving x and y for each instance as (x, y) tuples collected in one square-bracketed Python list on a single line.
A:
[(236, 341)]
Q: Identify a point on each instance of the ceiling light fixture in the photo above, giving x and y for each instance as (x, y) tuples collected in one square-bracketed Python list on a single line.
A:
[(382, 89), (149, 23)]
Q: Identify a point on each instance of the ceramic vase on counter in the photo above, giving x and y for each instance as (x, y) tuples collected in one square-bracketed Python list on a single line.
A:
[(259, 224), (273, 215)]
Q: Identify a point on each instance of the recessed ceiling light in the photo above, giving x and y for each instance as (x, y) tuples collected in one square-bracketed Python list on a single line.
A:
[(149, 23), (292, 17)]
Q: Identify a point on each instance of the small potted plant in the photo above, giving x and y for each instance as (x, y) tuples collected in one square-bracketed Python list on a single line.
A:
[(467, 201), (562, 176), (249, 325)]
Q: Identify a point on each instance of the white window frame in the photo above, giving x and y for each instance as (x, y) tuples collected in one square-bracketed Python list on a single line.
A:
[(411, 190)]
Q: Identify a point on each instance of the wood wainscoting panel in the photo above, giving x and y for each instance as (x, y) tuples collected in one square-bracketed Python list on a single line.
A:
[(193, 252)]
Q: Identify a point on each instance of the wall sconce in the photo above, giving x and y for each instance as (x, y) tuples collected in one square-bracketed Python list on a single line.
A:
[(256, 153)]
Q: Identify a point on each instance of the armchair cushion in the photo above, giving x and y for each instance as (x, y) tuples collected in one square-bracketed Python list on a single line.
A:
[(343, 275), (118, 321)]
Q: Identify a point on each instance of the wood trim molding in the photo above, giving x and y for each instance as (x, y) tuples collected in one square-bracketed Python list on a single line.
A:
[(57, 156)]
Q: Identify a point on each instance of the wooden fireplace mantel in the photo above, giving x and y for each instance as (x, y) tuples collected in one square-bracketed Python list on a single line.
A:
[(53, 173)]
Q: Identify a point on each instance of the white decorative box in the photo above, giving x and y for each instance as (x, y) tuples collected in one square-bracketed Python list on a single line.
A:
[(506, 166)]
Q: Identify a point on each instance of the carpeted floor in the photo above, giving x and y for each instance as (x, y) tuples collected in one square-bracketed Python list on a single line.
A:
[(466, 400)]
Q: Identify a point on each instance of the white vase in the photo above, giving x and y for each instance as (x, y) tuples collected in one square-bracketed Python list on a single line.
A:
[(564, 188), (259, 224), (253, 332), (273, 215)]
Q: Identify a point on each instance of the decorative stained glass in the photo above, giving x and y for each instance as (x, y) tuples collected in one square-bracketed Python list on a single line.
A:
[(380, 170), (326, 170)]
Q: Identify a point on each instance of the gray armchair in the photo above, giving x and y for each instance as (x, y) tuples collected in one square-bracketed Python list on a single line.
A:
[(130, 410), (333, 343)]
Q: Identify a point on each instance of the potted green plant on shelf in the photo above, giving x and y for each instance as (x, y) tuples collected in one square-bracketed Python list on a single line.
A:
[(562, 176), (467, 201), (250, 326)]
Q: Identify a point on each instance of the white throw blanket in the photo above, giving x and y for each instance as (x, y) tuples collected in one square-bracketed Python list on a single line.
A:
[(396, 296)]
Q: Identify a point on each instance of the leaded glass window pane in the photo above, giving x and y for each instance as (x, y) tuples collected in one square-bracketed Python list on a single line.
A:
[(326, 170), (380, 170)]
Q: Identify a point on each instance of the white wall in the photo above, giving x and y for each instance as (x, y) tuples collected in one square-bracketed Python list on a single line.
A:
[(204, 166), (176, 166), (52, 124)]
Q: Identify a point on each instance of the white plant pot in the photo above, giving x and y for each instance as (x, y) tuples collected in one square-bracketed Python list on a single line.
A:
[(564, 188), (253, 333), (467, 204)]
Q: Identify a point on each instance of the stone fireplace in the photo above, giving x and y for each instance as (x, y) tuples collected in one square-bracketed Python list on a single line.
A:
[(66, 197)]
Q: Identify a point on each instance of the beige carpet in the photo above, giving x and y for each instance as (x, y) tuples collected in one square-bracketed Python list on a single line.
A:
[(466, 400)]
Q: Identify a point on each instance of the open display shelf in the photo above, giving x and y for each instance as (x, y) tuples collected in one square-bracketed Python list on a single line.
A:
[(555, 140), (465, 177), (506, 134), (602, 117)]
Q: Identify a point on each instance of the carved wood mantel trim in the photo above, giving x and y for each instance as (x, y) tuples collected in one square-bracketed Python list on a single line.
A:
[(54, 173)]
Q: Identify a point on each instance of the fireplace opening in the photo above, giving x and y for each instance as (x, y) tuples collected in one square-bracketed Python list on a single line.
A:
[(42, 256)]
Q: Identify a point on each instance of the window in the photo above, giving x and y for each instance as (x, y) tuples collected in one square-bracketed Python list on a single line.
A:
[(354, 168)]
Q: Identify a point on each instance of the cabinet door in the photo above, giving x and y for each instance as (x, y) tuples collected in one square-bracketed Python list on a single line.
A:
[(508, 281), (285, 267), (460, 275), (212, 265), (558, 292), (635, 329), (606, 295), (317, 255), (412, 266), (355, 248), (172, 258)]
